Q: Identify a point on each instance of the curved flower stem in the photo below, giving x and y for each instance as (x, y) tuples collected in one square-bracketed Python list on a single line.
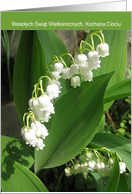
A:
[(81, 50), (41, 88), (68, 55), (103, 37), (91, 34), (24, 119), (92, 43), (98, 37)]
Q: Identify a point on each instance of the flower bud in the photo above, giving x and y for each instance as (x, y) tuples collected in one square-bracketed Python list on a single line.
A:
[(122, 167), (68, 171)]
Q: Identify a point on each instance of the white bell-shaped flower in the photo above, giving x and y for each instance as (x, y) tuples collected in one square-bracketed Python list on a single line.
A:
[(58, 83), (107, 170), (74, 69), (84, 167), (89, 155), (52, 91), (88, 76), (30, 103), (58, 67), (23, 130), (66, 73), (93, 60), (39, 144), (36, 126), (111, 161), (91, 165), (103, 49), (56, 75), (84, 69), (30, 137), (81, 59), (75, 81), (100, 166), (44, 131), (68, 172), (44, 108), (44, 102), (77, 168), (122, 166)]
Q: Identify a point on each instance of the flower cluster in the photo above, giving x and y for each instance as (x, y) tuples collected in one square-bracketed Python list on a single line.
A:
[(41, 104), (40, 110), (83, 65), (92, 164)]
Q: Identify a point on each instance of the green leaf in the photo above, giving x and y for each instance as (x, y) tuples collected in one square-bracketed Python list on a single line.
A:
[(101, 181), (17, 178), (115, 143), (53, 45), (101, 124), (122, 185), (30, 64), (17, 150), (120, 90), (117, 59), (114, 176), (74, 123), (129, 181)]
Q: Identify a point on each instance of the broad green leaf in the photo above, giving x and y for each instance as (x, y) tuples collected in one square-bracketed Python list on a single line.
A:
[(122, 185), (30, 64), (117, 59), (74, 123), (101, 124), (101, 181), (129, 181), (17, 150), (120, 90), (115, 143), (17, 178), (53, 45), (114, 176)]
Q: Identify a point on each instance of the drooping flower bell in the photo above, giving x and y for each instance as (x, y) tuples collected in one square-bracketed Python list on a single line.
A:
[(88, 76), (58, 67), (52, 91), (103, 49), (84, 69), (100, 166), (91, 165), (56, 75), (66, 73), (84, 167), (40, 144), (75, 81), (93, 60), (122, 167), (68, 172), (74, 69), (81, 59)]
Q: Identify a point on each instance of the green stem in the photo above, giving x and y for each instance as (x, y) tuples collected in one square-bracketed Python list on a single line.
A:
[(81, 46), (68, 55)]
